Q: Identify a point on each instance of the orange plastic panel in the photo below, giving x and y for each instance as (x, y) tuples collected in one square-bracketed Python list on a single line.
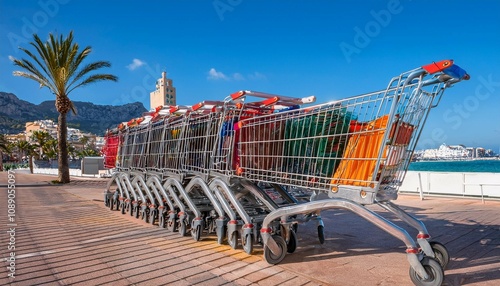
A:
[(360, 156)]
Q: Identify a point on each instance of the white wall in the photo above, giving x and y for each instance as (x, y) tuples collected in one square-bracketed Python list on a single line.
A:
[(450, 183)]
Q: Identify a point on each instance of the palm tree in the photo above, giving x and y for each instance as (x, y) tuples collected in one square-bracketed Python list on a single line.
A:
[(40, 137), (56, 65), (88, 152), (27, 149), (72, 151), (4, 148), (84, 140), (50, 148)]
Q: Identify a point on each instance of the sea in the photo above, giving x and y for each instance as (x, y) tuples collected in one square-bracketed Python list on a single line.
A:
[(481, 166)]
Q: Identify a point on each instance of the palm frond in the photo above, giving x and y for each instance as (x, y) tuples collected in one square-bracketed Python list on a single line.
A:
[(33, 72), (73, 107), (78, 58), (89, 68), (35, 58), (3, 143), (95, 78), (30, 76), (57, 65)]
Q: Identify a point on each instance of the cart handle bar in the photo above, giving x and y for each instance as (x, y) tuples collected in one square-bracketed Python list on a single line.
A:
[(304, 100), (447, 67), (208, 104), (451, 73)]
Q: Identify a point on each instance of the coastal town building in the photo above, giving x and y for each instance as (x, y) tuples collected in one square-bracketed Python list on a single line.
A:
[(46, 125), (453, 152), (165, 93), (15, 137), (74, 135), (99, 142)]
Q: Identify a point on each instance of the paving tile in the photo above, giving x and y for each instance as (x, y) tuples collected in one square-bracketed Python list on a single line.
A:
[(90, 245)]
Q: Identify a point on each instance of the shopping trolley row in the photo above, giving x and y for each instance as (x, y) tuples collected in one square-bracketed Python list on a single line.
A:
[(252, 167), (163, 162)]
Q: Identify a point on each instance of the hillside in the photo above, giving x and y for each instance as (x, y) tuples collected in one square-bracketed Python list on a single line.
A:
[(14, 113)]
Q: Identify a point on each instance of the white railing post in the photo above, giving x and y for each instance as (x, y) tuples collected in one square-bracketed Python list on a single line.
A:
[(421, 189), (463, 184), (482, 195), (428, 182)]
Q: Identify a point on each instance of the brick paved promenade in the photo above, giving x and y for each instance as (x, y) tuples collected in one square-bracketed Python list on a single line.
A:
[(65, 236)]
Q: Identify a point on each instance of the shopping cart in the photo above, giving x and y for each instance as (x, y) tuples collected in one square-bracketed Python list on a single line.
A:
[(258, 161), (356, 150)]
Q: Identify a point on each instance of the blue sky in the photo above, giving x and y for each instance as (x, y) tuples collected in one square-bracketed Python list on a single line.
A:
[(330, 49)]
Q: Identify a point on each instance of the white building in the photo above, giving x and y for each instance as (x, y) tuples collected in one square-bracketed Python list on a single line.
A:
[(446, 152), (74, 134), (453, 152), (45, 125)]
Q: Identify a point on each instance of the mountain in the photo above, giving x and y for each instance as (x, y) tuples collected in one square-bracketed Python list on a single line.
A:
[(14, 113)]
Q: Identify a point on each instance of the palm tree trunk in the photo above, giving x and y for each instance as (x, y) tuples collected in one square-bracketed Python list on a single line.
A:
[(1, 161), (62, 145), (30, 160)]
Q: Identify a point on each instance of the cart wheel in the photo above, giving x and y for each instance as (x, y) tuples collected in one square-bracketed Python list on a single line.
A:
[(182, 228), (171, 225), (232, 239), (220, 236), (137, 211), (210, 226), (220, 240), (123, 207), (433, 269), (196, 233), (161, 220), (247, 243), (275, 258), (321, 234), (291, 245), (152, 216), (441, 253), (131, 210)]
